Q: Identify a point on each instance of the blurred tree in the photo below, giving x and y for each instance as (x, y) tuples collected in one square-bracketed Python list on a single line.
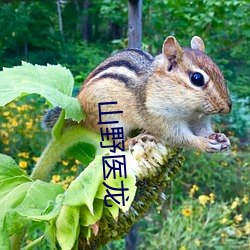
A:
[(58, 2), (86, 21), (134, 23)]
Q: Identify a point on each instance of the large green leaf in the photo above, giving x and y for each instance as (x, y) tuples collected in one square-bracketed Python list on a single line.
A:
[(21, 199), (53, 82), (47, 215), (9, 168), (39, 194), (86, 218), (83, 189), (9, 202), (50, 234), (114, 210), (128, 183), (67, 226), (6, 186), (14, 198)]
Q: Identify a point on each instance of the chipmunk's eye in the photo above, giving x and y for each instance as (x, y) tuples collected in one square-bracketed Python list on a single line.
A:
[(197, 79)]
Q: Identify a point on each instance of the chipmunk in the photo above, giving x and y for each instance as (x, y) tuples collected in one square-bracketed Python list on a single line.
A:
[(170, 96)]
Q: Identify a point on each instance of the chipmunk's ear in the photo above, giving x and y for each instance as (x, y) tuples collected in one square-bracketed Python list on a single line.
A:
[(171, 49), (197, 43)]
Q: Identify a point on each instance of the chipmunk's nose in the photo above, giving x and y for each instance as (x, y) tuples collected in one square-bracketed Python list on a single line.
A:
[(227, 108)]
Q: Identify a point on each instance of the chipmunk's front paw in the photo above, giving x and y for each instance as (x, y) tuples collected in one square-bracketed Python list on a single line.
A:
[(217, 142)]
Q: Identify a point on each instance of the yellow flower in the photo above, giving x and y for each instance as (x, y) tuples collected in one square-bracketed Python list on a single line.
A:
[(211, 195), (24, 154), (183, 248), (223, 220), (234, 152), (77, 162), (65, 163), (235, 203), (223, 235), (6, 141), (70, 178), (55, 178), (245, 199), (224, 164), (238, 218), (6, 113), (23, 107), (187, 211), (203, 199), (197, 242), (6, 149), (247, 227), (65, 185), (29, 124), (14, 123), (12, 105), (193, 190), (4, 134), (23, 164), (73, 168), (35, 159)]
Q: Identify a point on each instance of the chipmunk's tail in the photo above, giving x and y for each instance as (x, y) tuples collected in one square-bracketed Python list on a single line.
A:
[(50, 117)]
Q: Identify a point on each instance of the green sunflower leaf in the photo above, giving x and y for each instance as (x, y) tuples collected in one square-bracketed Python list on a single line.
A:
[(53, 82), (67, 226)]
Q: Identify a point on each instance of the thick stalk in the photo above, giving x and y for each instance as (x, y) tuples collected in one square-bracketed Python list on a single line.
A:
[(57, 147)]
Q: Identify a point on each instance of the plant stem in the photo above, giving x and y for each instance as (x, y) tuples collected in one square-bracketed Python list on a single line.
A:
[(56, 147)]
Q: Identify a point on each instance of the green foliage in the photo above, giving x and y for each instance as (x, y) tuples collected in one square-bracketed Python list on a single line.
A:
[(232, 166), (239, 118), (83, 152), (201, 223), (81, 58)]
